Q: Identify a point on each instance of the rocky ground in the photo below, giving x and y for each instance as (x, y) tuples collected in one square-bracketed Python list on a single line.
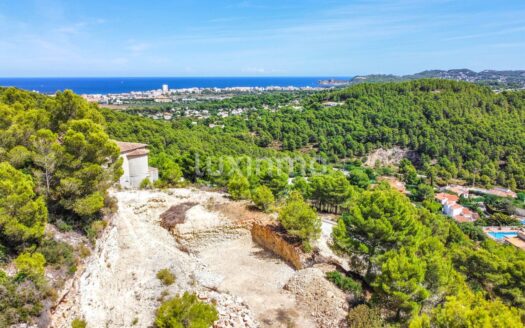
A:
[(210, 253), (387, 157)]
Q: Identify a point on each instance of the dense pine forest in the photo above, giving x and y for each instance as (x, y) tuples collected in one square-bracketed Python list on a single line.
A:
[(458, 129), (423, 268), (411, 265), (56, 164)]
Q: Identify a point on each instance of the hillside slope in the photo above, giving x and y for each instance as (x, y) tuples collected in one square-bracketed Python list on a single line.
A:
[(458, 129)]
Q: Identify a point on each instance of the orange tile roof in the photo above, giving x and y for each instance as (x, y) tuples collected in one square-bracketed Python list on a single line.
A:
[(448, 197), (457, 206), (462, 219)]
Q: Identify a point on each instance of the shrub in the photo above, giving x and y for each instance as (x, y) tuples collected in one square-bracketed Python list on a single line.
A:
[(300, 220), (169, 171), (262, 197), (474, 232), (89, 205), (63, 226), (84, 251), (166, 276), (359, 178), (363, 316), (20, 299), (3, 254), (345, 283), (424, 192), (110, 205), (238, 187), (31, 264), (78, 323), (146, 184), (186, 311), (95, 229), (58, 253)]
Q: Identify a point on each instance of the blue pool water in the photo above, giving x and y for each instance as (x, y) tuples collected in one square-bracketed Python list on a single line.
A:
[(501, 235)]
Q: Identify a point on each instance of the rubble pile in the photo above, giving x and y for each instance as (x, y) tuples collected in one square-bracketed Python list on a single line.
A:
[(326, 303)]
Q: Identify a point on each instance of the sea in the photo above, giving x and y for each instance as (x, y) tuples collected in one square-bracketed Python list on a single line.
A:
[(105, 85)]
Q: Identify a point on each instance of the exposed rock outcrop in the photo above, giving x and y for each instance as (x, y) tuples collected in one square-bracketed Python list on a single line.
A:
[(271, 238)]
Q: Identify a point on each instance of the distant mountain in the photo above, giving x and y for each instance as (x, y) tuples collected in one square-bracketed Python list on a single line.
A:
[(492, 78)]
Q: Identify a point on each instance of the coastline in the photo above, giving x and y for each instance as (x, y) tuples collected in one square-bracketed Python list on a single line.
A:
[(121, 85)]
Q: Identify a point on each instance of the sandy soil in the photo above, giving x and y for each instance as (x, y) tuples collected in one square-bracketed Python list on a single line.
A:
[(258, 277)]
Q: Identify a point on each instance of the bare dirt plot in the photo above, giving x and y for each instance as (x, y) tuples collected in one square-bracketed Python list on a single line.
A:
[(119, 284), (258, 277), (210, 253)]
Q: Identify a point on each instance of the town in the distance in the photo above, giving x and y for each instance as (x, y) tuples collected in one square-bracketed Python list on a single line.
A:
[(262, 164)]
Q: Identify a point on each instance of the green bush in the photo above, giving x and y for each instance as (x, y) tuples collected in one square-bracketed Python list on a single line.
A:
[(63, 226), (238, 187), (300, 220), (363, 316), (424, 192), (166, 276), (186, 311), (3, 254), (95, 229), (169, 171), (78, 323), (359, 178), (146, 184), (263, 198), (58, 253), (31, 264), (474, 232), (89, 205), (345, 283), (20, 299)]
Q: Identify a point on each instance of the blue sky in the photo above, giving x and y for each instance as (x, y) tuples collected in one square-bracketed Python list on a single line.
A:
[(252, 37)]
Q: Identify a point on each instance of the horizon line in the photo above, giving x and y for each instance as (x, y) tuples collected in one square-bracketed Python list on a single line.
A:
[(171, 77)]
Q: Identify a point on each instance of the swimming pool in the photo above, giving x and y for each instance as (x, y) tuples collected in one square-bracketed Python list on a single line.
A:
[(501, 235)]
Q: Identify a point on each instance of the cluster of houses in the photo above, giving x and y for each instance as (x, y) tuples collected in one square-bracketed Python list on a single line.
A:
[(449, 198), (194, 113), (452, 208), (450, 195)]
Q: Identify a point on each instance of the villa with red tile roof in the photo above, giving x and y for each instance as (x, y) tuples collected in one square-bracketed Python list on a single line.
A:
[(445, 198), (454, 210)]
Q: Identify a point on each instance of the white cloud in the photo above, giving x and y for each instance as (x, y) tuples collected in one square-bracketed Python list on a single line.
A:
[(136, 47)]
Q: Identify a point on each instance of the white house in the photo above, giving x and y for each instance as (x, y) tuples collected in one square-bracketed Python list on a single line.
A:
[(455, 210), (135, 164)]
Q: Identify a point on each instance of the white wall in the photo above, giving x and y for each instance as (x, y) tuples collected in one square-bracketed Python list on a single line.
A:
[(125, 179), (138, 170)]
